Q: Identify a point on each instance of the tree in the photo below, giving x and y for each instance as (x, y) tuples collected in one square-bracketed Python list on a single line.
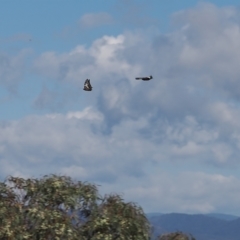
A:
[(56, 207), (116, 219), (176, 236)]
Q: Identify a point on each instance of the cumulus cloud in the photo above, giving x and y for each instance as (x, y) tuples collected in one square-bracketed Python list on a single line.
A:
[(97, 62), (187, 105), (191, 192), (211, 47), (74, 139), (73, 144), (142, 138)]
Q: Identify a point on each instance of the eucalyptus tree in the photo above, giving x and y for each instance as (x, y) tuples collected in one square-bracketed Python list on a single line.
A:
[(56, 207), (176, 236)]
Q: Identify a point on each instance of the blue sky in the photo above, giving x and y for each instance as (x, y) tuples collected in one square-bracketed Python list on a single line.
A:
[(171, 144)]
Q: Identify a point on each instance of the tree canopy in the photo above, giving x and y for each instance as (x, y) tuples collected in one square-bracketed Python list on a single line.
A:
[(176, 236), (56, 207)]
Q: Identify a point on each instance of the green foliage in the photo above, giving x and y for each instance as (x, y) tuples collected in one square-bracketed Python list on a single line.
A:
[(55, 207), (117, 220), (175, 236)]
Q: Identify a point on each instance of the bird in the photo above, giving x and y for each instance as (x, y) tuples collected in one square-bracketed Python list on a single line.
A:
[(144, 78), (87, 85)]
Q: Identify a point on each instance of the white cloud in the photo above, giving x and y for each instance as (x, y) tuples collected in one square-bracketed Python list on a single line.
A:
[(96, 62), (122, 162), (87, 113), (191, 192), (142, 138), (186, 105)]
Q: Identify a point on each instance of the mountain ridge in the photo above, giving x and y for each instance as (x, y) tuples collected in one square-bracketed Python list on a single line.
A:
[(201, 226)]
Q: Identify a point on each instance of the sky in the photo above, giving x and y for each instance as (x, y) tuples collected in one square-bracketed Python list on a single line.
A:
[(171, 144)]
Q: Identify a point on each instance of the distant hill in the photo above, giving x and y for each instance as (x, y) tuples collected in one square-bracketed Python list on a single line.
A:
[(153, 214), (216, 215), (222, 216), (202, 227)]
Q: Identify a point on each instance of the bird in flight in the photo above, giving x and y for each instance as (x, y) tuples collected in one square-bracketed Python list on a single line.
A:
[(87, 85), (144, 78)]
